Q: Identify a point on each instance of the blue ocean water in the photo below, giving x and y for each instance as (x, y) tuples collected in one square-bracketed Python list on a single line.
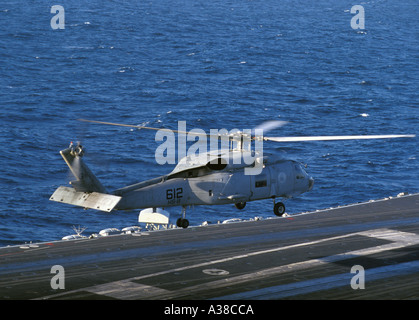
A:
[(214, 64)]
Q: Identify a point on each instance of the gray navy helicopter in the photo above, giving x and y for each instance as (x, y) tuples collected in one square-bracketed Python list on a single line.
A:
[(216, 177)]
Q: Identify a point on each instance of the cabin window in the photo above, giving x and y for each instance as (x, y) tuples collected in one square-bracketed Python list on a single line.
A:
[(261, 182)]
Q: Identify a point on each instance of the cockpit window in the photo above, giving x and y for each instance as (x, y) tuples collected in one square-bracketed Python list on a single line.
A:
[(217, 164), (299, 171)]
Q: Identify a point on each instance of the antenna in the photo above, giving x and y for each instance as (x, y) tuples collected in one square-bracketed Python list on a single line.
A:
[(78, 230)]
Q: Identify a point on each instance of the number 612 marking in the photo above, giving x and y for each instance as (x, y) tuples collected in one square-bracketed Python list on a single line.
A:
[(175, 193)]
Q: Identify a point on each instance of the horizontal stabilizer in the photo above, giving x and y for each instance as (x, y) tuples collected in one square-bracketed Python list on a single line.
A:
[(92, 200)]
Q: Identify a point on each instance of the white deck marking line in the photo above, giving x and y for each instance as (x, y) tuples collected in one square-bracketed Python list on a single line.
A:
[(125, 290), (402, 239), (325, 283), (118, 284)]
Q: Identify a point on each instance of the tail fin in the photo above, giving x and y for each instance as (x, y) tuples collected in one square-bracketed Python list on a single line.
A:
[(87, 191), (85, 181)]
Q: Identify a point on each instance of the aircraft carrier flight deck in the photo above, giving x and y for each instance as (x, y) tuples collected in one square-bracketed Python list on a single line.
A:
[(361, 251)]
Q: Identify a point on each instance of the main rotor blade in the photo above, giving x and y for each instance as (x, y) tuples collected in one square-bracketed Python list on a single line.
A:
[(135, 126), (266, 126), (332, 138), (270, 125)]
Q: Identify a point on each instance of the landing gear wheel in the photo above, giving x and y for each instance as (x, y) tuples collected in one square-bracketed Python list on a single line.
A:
[(182, 223), (279, 209), (240, 205)]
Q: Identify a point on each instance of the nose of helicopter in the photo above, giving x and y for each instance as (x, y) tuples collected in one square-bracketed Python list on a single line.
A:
[(304, 182), (310, 183)]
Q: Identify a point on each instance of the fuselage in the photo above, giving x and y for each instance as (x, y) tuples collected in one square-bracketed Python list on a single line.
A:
[(218, 184)]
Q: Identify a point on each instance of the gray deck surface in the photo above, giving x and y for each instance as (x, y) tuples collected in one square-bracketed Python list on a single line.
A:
[(306, 256)]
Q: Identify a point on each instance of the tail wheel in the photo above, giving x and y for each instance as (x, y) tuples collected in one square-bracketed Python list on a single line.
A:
[(279, 209), (240, 205)]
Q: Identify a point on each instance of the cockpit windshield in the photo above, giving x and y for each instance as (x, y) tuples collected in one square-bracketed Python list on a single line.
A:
[(299, 171)]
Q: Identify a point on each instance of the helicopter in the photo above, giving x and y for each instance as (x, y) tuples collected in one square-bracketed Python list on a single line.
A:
[(216, 177)]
